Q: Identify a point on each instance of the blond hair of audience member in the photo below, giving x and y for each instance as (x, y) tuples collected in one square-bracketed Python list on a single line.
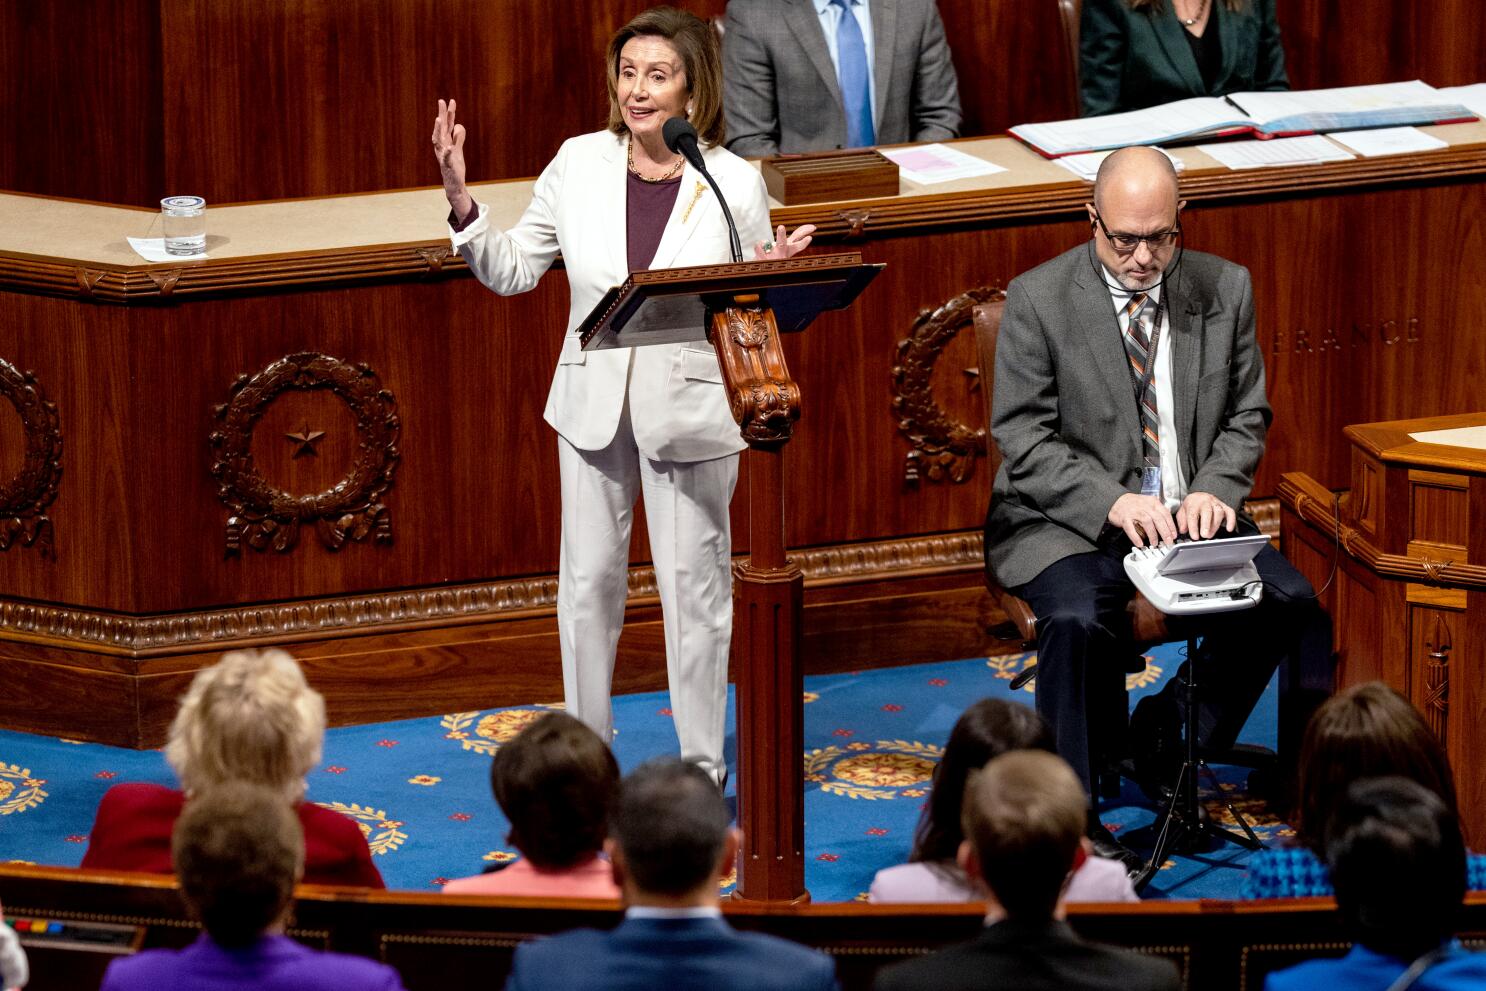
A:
[(1024, 818), (250, 717)]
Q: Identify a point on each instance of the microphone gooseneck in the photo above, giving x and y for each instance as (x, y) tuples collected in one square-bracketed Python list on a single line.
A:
[(681, 138)]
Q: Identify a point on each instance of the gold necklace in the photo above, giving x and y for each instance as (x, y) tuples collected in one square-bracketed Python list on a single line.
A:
[(1196, 17), (645, 178)]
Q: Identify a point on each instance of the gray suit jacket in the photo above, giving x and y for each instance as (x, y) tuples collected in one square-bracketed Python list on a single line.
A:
[(781, 95), (1064, 411)]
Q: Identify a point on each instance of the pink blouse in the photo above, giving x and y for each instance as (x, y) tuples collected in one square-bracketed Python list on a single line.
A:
[(591, 879)]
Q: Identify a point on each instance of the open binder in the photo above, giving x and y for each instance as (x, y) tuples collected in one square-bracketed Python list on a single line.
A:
[(1283, 113)]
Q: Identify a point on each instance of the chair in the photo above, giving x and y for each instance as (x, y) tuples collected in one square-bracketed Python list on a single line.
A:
[(1146, 621), (1071, 12)]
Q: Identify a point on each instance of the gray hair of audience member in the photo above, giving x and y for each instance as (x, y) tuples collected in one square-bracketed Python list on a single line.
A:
[(1025, 814), (238, 850), (249, 717), (671, 825), (556, 784), (1397, 865), (1134, 164)]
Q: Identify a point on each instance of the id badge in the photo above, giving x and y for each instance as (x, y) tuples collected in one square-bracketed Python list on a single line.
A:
[(1150, 480)]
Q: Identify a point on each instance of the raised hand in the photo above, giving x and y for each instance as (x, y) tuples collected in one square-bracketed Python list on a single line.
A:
[(448, 148), (784, 247)]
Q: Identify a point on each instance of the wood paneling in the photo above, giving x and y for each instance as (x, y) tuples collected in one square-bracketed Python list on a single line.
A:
[(130, 702), (126, 100), (81, 106)]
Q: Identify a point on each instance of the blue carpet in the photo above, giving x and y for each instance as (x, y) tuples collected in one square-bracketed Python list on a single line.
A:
[(420, 787)]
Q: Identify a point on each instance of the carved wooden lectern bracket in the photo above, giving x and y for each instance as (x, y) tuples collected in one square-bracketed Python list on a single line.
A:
[(352, 509), (764, 399), (25, 497), (1437, 677)]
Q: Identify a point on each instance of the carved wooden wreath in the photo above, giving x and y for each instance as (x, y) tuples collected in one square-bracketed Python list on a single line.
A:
[(942, 446), (351, 509), (24, 498)]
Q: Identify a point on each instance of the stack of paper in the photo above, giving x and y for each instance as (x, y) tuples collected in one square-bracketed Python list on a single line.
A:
[(1307, 150), (1086, 166), (928, 164), (1388, 141)]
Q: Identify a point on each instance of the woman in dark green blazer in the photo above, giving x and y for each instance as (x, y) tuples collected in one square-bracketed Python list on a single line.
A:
[(1138, 53)]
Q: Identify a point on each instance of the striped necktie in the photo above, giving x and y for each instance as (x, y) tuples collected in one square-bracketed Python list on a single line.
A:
[(851, 71), (1137, 346)]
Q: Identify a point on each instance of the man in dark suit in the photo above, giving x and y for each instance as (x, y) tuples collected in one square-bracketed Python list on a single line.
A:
[(670, 844), (815, 75), (1129, 409), (1024, 823)]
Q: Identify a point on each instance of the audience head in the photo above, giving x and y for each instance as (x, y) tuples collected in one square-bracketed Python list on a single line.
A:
[(669, 835), (556, 784), (238, 851), (1397, 864), (1136, 196), (1024, 819), (688, 56), (250, 717), (987, 729), (1366, 731)]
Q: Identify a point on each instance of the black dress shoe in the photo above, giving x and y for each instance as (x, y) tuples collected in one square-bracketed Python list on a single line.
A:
[(1106, 846)]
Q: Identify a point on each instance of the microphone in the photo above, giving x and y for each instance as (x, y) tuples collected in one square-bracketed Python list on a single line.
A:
[(681, 138)]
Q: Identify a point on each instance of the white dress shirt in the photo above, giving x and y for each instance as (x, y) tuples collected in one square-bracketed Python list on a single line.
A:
[(1173, 482), (830, 18)]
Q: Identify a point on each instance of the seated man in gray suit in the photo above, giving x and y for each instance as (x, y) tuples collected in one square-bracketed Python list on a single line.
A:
[(1129, 408), (669, 844), (1024, 821), (816, 75)]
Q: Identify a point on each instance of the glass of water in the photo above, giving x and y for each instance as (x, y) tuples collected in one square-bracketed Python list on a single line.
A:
[(184, 221)]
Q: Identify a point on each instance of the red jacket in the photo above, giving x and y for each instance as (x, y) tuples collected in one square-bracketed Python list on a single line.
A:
[(132, 833)]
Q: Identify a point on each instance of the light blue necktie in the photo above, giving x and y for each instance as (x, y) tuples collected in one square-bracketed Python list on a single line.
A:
[(856, 88)]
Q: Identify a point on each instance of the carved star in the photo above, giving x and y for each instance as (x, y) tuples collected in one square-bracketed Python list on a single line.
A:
[(305, 440)]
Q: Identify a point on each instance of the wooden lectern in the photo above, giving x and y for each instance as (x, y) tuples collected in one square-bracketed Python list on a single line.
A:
[(742, 309), (1402, 560)]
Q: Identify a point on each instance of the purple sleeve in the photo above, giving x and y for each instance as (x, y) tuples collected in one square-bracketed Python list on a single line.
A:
[(469, 218)]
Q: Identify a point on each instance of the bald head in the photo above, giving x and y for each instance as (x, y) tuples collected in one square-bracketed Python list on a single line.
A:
[(1135, 196), (1136, 173)]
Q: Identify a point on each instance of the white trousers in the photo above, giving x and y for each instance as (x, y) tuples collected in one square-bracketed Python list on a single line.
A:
[(686, 509)]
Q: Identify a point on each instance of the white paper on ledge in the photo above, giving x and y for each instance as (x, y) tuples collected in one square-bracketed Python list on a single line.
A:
[(1086, 165), (925, 165), (1388, 141), (1308, 150), (1455, 437), (152, 249)]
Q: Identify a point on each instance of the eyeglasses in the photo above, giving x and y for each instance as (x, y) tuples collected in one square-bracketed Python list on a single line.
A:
[(1126, 243)]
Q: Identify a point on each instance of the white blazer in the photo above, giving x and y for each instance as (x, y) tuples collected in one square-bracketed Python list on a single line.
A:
[(678, 407)]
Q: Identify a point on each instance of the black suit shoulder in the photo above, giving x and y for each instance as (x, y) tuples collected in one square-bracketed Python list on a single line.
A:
[(988, 964)]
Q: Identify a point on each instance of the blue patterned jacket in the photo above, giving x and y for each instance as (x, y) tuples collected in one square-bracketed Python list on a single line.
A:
[(1296, 872)]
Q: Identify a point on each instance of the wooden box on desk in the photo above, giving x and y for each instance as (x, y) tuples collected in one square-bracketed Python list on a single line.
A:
[(861, 173)]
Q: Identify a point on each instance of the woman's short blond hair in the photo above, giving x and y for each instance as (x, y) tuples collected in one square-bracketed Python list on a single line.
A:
[(249, 717), (701, 58)]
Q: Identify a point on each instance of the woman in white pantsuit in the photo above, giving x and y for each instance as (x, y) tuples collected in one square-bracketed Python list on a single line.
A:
[(650, 420)]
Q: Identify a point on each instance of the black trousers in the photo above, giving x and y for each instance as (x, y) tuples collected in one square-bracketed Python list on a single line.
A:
[(1085, 645)]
